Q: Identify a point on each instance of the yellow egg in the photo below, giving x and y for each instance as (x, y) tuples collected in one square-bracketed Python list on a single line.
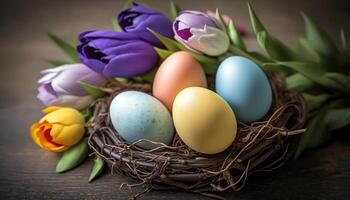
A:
[(203, 120)]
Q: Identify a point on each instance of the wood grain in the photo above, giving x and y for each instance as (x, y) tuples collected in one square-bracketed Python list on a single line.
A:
[(27, 172)]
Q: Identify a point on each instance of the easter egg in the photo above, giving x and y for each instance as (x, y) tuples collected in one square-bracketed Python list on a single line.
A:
[(244, 85), (137, 115), (180, 70), (203, 120)]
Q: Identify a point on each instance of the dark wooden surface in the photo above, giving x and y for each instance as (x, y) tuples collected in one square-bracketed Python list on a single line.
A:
[(27, 172)]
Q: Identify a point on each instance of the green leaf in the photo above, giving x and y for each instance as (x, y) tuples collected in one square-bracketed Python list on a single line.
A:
[(310, 70), (57, 63), (343, 39), (209, 64), (299, 82), (234, 36), (174, 10), (73, 156), (305, 52), (315, 101), (168, 43), (148, 78), (255, 21), (220, 19), (66, 47), (116, 26), (87, 114), (163, 54), (341, 81), (252, 56), (97, 168), (318, 39), (275, 48), (92, 90), (316, 133), (337, 118)]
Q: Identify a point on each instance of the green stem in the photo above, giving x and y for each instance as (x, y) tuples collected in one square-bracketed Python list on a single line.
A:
[(240, 52)]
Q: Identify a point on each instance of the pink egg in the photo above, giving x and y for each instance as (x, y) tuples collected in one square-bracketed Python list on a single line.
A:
[(179, 71)]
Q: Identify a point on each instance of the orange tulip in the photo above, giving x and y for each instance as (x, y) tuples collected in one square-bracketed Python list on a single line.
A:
[(59, 129)]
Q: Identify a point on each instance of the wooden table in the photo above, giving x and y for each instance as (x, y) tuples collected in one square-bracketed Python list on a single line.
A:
[(27, 172)]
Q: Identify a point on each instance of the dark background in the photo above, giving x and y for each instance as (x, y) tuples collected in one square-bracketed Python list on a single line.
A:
[(26, 172)]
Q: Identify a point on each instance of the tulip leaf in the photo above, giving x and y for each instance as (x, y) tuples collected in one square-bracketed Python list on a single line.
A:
[(275, 48), (234, 36), (66, 47), (315, 101), (255, 21), (319, 127), (338, 118), (163, 54), (308, 69), (252, 56), (92, 90), (87, 114), (168, 43), (209, 64), (97, 168), (174, 10), (57, 63), (116, 26), (307, 52), (318, 39), (73, 156), (148, 78), (343, 39), (315, 134), (299, 82), (339, 81), (220, 19)]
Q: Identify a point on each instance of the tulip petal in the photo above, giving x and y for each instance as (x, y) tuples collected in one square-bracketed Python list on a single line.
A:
[(50, 109), (77, 102), (33, 133), (56, 130), (70, 135), (64, 116), (211, 41)]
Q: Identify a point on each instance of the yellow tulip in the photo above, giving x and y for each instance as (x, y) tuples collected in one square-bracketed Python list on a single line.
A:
[(59, 129)]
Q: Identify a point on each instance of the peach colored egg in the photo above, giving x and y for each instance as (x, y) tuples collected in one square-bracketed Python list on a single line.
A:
[(179, 71)]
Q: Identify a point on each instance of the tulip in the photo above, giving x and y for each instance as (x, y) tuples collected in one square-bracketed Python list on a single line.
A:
[(59, 129), (116, 54), (241, 30), (200, 33), (60, 86), (138, 18)]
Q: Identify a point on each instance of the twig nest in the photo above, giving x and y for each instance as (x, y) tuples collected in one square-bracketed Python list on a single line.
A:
[(258, 146)]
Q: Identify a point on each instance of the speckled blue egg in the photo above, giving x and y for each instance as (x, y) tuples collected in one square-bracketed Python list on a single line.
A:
[(137, 115), (244, 85)]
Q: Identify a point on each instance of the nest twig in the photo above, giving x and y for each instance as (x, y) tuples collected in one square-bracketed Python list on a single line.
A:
[(259, 146)]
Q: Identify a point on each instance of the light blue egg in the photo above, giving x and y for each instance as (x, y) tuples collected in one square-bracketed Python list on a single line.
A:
[(137, 115), (245, 87)]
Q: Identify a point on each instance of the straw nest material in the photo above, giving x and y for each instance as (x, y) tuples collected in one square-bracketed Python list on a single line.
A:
[(259, 146)]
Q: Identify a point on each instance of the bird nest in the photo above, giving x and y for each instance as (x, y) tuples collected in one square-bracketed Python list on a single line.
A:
[(259, 146)]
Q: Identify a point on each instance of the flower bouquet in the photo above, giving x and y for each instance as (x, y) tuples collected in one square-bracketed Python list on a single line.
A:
[(181, 102)]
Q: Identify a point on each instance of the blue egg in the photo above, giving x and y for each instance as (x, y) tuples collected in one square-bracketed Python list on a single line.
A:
[(137, 115), (244, 85)]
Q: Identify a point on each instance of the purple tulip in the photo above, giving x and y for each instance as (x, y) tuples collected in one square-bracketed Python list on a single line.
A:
[(138, 18), (116, 54), (201, 33), (60, 86)]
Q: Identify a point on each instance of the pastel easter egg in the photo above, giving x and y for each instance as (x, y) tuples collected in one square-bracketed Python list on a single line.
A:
[(137, 115), (203, 120), (180, 70), (245, 86)]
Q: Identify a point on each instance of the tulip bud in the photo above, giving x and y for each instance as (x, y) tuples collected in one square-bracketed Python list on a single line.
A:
[(116, 54), (60, 86), (59, 129), (138, 18), (200, 33)]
